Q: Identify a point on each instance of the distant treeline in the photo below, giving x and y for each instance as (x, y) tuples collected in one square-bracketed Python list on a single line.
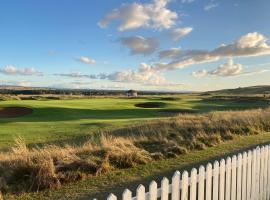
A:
[(76, 92)]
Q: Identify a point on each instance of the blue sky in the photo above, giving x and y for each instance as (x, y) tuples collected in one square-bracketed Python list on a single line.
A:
[(145, 44)]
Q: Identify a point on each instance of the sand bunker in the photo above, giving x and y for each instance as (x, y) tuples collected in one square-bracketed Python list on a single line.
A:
[(150, 105), (9, 112)]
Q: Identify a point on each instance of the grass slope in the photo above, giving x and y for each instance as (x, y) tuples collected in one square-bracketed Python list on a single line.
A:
[(59, 121), (253, 90)]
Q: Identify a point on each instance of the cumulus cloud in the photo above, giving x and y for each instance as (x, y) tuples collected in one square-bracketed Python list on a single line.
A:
[(136, 15), (12, 70), (86, 60), (210, 6), (178, 33), (227, 69), (140, 45), (251, 44)]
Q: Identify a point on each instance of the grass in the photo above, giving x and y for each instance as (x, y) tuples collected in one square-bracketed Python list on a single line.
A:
[(88, 147), (33, 169), (116, 181), (61, 121)]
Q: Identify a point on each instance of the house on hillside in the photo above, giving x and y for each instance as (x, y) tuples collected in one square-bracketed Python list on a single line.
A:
[(131, 93)]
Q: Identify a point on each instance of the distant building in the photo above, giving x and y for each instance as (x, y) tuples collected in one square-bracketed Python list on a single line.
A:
[(131, 93)]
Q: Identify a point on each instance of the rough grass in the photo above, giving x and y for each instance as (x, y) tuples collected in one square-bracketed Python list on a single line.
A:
[(23, 169)]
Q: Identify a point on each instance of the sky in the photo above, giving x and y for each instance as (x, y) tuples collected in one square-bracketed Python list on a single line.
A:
[(174, 45)]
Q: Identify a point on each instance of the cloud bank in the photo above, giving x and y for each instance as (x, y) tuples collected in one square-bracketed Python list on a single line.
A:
[(251, 44), (12, 70)]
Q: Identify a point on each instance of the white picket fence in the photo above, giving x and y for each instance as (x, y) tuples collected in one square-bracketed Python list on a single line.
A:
[(242, 177)]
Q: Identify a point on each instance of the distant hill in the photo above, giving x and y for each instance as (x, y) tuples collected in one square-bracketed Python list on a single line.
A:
[(253, 90)]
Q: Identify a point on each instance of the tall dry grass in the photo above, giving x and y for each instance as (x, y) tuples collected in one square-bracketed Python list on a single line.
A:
[(25, 169)]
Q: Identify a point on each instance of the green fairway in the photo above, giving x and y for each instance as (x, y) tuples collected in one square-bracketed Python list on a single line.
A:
[(69, 120)]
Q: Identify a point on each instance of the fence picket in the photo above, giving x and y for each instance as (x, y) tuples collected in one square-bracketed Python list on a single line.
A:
[(153, 191), (233, 178), (228, 178), (244, 176), (266, 166), (176, 186), (164, 189), (127, 195), (208, 189), (112, 197), (258, 168), (140, 192), (268, 174), (239, 177), (184, 192), (253, 175), (222, 179), (215, 180), (249, 175), (193, 184), (262, 173), (201, 183)]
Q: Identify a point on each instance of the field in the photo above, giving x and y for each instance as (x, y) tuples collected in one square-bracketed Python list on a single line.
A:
[(59, 121), (78, 147)]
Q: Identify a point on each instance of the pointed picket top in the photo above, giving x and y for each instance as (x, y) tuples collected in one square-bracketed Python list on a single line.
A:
[(127, 195), (228, 160), (176, 174), (112, 197), (208, 166), (140, 192), (201, 168), (222, 161), (176, 185), (153, 190), (216, 164)]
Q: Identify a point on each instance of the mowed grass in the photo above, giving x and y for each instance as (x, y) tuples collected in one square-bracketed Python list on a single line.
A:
[(61, 121)]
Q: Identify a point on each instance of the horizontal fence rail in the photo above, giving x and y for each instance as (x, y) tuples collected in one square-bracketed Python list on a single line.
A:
[(242, 177)]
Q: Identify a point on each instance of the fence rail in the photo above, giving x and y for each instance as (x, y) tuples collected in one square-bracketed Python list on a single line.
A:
[(242, 177)]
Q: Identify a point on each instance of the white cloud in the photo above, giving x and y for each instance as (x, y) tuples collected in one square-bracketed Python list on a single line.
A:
[(136, 15), (178, 33), (140, 45), (228, 69), (210, 6), (12, 70), (251, 44), (86, 60)]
